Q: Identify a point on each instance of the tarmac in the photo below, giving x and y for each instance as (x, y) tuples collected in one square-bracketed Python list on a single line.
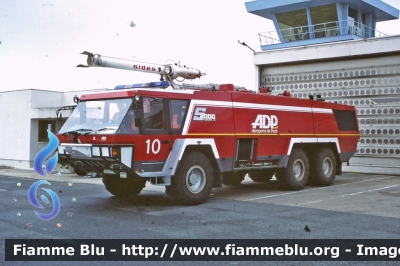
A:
[(60, 177), (355, 193), (64, 177)]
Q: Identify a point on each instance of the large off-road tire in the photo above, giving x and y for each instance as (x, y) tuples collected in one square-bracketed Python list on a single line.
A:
[(261, 176), (323, 167), (79, 171), (123, 187), (192, 183), (295, 175), (169, 190), (233, 179)]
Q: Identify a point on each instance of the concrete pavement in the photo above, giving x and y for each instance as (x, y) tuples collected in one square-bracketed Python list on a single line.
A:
[(66, 178), (350, 193)]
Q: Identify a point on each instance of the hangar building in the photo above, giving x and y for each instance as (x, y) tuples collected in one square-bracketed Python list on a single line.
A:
[(331, 48)]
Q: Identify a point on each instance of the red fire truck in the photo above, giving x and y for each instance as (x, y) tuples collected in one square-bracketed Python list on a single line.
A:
[(191, 139)]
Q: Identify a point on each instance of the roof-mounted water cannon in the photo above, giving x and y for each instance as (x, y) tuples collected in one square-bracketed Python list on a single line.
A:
[(168, 72)]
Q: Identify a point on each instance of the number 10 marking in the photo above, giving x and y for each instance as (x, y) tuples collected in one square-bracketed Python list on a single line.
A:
[(155, 146)]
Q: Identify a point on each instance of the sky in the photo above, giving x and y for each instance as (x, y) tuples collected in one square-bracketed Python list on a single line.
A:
[(42, 40)]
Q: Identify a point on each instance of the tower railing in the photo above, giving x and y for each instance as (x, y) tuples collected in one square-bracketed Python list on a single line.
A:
[(322, 30)]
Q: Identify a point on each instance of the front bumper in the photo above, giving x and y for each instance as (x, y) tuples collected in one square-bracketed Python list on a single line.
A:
[(97, 158)]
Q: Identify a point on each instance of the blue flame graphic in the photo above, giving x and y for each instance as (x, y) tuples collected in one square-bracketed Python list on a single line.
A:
[(32, 198), (44, 153)]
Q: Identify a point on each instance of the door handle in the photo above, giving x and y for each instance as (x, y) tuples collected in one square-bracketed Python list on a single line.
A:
[(165, 141)]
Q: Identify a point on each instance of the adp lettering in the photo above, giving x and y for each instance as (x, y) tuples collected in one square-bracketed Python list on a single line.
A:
[(265, 122)]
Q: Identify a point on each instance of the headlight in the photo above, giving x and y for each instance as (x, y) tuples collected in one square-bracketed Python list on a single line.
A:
[(108, 171), (123, 175)]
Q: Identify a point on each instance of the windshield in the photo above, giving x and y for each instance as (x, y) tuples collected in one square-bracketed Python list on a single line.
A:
[(105, 116)]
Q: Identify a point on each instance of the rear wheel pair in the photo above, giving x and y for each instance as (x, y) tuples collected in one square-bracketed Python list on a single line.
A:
[(298, 171)]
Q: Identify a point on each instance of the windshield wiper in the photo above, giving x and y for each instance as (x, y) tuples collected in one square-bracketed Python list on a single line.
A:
[(102, 129), (75, 134), (98, 130), (76, 131)]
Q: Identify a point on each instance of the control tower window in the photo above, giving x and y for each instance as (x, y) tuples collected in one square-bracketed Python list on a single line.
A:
[(352, 22), (353, 13), (325, 20), (293, 25)]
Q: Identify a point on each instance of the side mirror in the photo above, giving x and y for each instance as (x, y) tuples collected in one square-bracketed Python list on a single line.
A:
[(138, 118), (76, 99)]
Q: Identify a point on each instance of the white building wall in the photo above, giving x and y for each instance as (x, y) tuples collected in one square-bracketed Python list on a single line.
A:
[(15, 128), (19, 119), (46, 99)]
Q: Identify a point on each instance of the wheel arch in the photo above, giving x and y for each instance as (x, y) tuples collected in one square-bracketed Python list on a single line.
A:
[(311, 144), (184, 146), (207, 151)]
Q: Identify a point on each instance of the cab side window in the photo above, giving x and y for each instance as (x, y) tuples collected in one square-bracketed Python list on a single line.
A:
[(153, 111), (178, 113)]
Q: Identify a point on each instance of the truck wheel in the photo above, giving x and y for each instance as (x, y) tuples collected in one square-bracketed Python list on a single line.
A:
[(233, 179), (193, 181), (261, 176), (79, 171), (323, 167), (296, 173), (123, 187), (112, 185)]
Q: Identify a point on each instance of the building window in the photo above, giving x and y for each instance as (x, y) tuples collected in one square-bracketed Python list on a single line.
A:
[(43, 125), (353, 13), (325, 20), (352, 23), (293, 25)]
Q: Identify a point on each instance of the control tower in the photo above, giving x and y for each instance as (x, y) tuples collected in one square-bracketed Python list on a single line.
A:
[(320, 21), (332, 48)]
